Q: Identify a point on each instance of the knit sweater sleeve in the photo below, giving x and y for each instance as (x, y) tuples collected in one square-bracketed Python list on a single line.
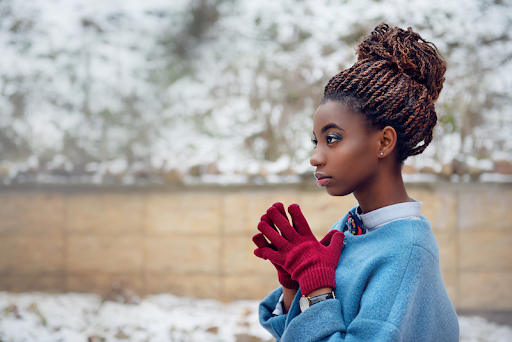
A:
[(324, 322), (273, 324)]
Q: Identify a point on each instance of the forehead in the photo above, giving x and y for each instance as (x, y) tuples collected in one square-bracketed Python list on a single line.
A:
[(338, 113)]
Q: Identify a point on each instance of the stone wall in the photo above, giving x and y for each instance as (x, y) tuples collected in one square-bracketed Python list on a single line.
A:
[(196, 241)]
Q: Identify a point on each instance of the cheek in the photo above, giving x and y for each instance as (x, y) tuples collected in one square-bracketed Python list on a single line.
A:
[(358, 149), (362, 156)]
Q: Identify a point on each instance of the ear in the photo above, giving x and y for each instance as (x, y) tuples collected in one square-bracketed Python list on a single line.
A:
[(388, 139)]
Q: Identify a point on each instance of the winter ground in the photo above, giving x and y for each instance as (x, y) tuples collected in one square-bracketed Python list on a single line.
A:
[(85, 317)]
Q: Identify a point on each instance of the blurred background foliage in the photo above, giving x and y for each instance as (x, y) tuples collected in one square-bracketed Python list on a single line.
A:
[(173, 85)]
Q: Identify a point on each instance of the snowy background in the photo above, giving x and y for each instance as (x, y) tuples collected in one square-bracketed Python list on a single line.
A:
[(224, 90), (91, 89), (83, 317)]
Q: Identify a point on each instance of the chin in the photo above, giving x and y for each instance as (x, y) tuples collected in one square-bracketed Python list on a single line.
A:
[(337, 192)]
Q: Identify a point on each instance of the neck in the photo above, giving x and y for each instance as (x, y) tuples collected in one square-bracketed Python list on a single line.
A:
[(386, 190)]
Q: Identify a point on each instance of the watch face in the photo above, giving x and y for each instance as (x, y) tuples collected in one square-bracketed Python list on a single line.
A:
[(303, 303)]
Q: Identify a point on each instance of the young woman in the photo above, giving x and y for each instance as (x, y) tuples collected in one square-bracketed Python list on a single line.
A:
[(375, 276)]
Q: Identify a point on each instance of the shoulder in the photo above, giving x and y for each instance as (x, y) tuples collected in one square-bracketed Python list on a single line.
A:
[(418, 234), (407, 245), (410, 233)]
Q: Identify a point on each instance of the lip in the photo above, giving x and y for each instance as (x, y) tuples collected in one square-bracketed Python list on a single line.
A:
[(321, 179)]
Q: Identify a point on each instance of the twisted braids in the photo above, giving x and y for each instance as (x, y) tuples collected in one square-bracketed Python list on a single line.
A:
[(396, 80)]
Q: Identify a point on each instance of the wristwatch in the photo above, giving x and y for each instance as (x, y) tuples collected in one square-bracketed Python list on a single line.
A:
[(305, 302)]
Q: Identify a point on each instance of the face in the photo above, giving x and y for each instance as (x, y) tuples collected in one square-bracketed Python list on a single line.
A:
[(346, 154)]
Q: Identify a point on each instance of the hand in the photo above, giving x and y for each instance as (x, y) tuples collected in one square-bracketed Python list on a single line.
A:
[(284, 277), (298, 252)]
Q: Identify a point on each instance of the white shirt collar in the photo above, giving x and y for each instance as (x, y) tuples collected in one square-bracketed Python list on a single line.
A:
[(379, 217)]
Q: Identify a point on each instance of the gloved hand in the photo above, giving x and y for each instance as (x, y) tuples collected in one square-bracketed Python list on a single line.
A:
[(284, 277), (297, 250)]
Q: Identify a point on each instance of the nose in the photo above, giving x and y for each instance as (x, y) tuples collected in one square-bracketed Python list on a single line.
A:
[(318, 158)]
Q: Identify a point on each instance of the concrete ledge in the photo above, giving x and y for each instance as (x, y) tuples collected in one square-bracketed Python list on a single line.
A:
[(196, 240)]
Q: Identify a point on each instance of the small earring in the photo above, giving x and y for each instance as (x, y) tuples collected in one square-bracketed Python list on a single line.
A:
[(382, 153)]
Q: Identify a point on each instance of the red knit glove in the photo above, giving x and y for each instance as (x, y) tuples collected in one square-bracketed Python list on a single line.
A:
[(298, 252), (284, 277)]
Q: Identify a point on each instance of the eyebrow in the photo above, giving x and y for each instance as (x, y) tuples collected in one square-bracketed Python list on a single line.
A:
[(331, 125)]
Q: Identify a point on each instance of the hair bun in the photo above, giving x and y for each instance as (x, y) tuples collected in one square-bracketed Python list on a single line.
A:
[(408, 52)]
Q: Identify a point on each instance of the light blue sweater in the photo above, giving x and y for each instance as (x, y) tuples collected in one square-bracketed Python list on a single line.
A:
[(388, 288)]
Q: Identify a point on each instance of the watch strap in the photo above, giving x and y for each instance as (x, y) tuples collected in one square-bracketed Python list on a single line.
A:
[(319, 298), (306, 302)]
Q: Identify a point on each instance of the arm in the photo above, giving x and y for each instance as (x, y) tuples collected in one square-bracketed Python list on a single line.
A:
[(296, 250), (403, 300), (275, 325), (321, 322), (324, 322), (313, 262), (288, 296), (290, 286), (394, 296)]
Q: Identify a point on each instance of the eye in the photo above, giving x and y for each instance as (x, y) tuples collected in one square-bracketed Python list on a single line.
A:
[(333, 138), (314, 141)]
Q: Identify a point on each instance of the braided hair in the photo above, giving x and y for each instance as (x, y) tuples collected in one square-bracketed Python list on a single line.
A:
[(396, 80)]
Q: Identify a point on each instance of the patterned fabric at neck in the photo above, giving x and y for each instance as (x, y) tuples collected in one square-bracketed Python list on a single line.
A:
[(354, 225)]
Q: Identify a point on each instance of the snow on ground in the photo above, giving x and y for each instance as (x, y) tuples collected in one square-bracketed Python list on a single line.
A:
[(85, 317), (79, 317)]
